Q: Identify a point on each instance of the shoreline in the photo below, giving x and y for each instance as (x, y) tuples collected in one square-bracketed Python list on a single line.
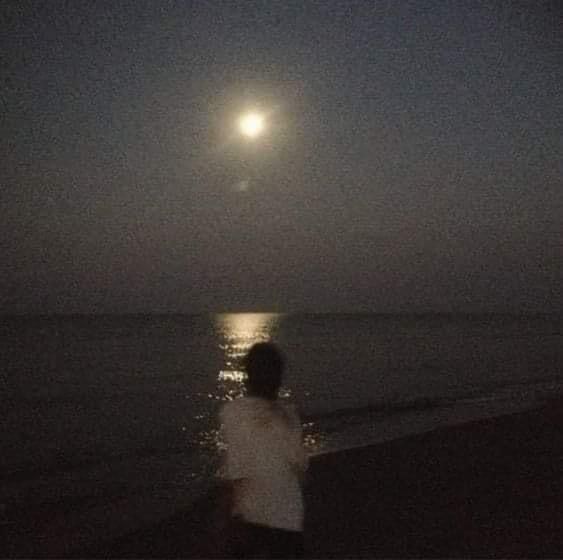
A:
[(487, 488)]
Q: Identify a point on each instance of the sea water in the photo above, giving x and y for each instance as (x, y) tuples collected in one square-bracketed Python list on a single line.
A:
[(109, 422)]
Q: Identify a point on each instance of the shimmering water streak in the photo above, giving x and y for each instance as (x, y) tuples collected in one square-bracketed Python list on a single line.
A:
[(237, 333)]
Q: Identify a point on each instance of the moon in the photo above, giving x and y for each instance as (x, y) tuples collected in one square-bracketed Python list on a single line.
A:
[(251, 125)]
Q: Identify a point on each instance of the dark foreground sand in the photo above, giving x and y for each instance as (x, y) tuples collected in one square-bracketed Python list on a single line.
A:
[(492, 488)]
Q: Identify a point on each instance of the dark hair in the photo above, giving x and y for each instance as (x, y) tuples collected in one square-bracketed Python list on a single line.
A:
[(264, 366)]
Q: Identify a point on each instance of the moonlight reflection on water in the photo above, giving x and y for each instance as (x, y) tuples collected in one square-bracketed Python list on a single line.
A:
[(237, 332)]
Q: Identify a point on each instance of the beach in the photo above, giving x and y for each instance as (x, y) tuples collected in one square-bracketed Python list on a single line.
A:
[(108, 446), (490, 488)]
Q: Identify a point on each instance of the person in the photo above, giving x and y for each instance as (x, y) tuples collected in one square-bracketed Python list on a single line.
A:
[(264, 463)]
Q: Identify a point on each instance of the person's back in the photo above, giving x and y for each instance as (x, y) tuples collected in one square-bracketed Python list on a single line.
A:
[(264, 461)]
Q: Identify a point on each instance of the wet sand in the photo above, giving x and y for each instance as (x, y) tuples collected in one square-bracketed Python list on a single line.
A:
[(491, 488)]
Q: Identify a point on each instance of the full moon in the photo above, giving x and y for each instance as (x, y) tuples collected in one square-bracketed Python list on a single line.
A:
[(251, 125)]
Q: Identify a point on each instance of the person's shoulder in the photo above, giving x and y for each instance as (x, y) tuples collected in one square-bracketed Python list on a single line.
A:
[(229, 407), (290, 409), (235, 409), (292, 416)]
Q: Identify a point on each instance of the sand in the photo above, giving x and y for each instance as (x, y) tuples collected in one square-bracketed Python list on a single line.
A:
[(491, 488)]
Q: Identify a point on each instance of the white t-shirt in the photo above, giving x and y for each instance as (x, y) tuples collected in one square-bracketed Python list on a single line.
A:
[(264, 447)]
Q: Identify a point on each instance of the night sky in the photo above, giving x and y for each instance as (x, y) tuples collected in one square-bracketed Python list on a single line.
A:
[(412, 159)]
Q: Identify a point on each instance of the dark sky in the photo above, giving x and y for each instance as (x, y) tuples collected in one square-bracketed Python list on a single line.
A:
[(412, 160)]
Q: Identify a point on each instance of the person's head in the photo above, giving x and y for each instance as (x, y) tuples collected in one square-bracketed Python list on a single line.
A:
[(264, 366)]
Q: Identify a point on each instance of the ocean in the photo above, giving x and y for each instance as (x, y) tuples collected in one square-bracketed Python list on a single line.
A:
[(109, 422)]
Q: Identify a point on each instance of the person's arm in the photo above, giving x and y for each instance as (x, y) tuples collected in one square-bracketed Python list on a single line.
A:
[(299, 459), (234, 468)]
